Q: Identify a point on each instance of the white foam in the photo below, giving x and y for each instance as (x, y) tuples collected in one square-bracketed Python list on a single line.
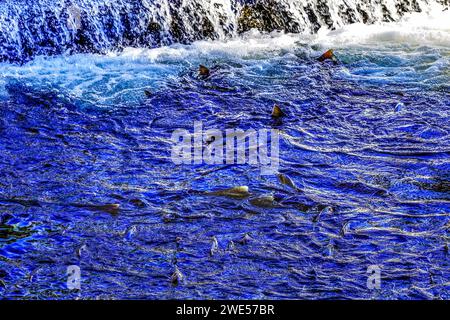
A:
[(431, 29), (414, 29), (107, 79)]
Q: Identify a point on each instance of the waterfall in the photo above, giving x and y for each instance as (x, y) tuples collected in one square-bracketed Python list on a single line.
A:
[(47, 27)]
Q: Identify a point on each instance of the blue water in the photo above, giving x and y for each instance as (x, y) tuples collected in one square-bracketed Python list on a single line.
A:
[(366, 141)]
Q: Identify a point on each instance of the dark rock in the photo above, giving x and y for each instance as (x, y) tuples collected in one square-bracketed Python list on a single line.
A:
[(364, 14), (387, 16), (266, 17), (324, 10), (154, 27)]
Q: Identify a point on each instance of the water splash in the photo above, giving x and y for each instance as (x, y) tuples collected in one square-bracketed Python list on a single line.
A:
[(46, 27)]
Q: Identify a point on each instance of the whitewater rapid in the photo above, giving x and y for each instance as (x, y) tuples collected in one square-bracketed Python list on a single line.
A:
[(415, 49), (47, 27)]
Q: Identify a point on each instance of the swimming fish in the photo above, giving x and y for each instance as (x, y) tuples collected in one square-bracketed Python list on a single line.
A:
[(24, 202), (108, 208), (177, 277), (277, 112), (138, 203), (214, 246), (5, 217), (263, 201), (168, 217), (399, 107), (326, 211), (231, 246), (245, 239), (130, 232), (236, 192), (345, 229), (329, 249), (148, 93), (32, 130), (81, 249), (329, 55), (219, 88), (287, 181), (204, 71)]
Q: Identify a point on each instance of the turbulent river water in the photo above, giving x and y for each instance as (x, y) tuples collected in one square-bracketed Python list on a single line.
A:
[(365, 140)]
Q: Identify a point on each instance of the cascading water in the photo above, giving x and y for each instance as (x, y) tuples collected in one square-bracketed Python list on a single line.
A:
[(43, 27)]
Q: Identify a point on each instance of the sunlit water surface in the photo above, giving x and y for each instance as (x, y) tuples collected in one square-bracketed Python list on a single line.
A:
[(366, 141)]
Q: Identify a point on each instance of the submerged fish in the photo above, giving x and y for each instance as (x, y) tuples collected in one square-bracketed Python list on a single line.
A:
[(219, 88), (138, 203), (24, 202), (329, 249), (108, 208), (263, 201), (169, 217), (130, 232), (177, 277), (32, 130), (399, 107), (236, 192), (326, 211), (148, 93), (345, 229), (231, 246), (287, 181), (214, 246), (5, 217), (81, 249), (245, 239)]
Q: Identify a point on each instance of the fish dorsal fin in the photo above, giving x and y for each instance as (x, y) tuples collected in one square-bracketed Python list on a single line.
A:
[(277, 112), (329, 55), (204, 71)]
